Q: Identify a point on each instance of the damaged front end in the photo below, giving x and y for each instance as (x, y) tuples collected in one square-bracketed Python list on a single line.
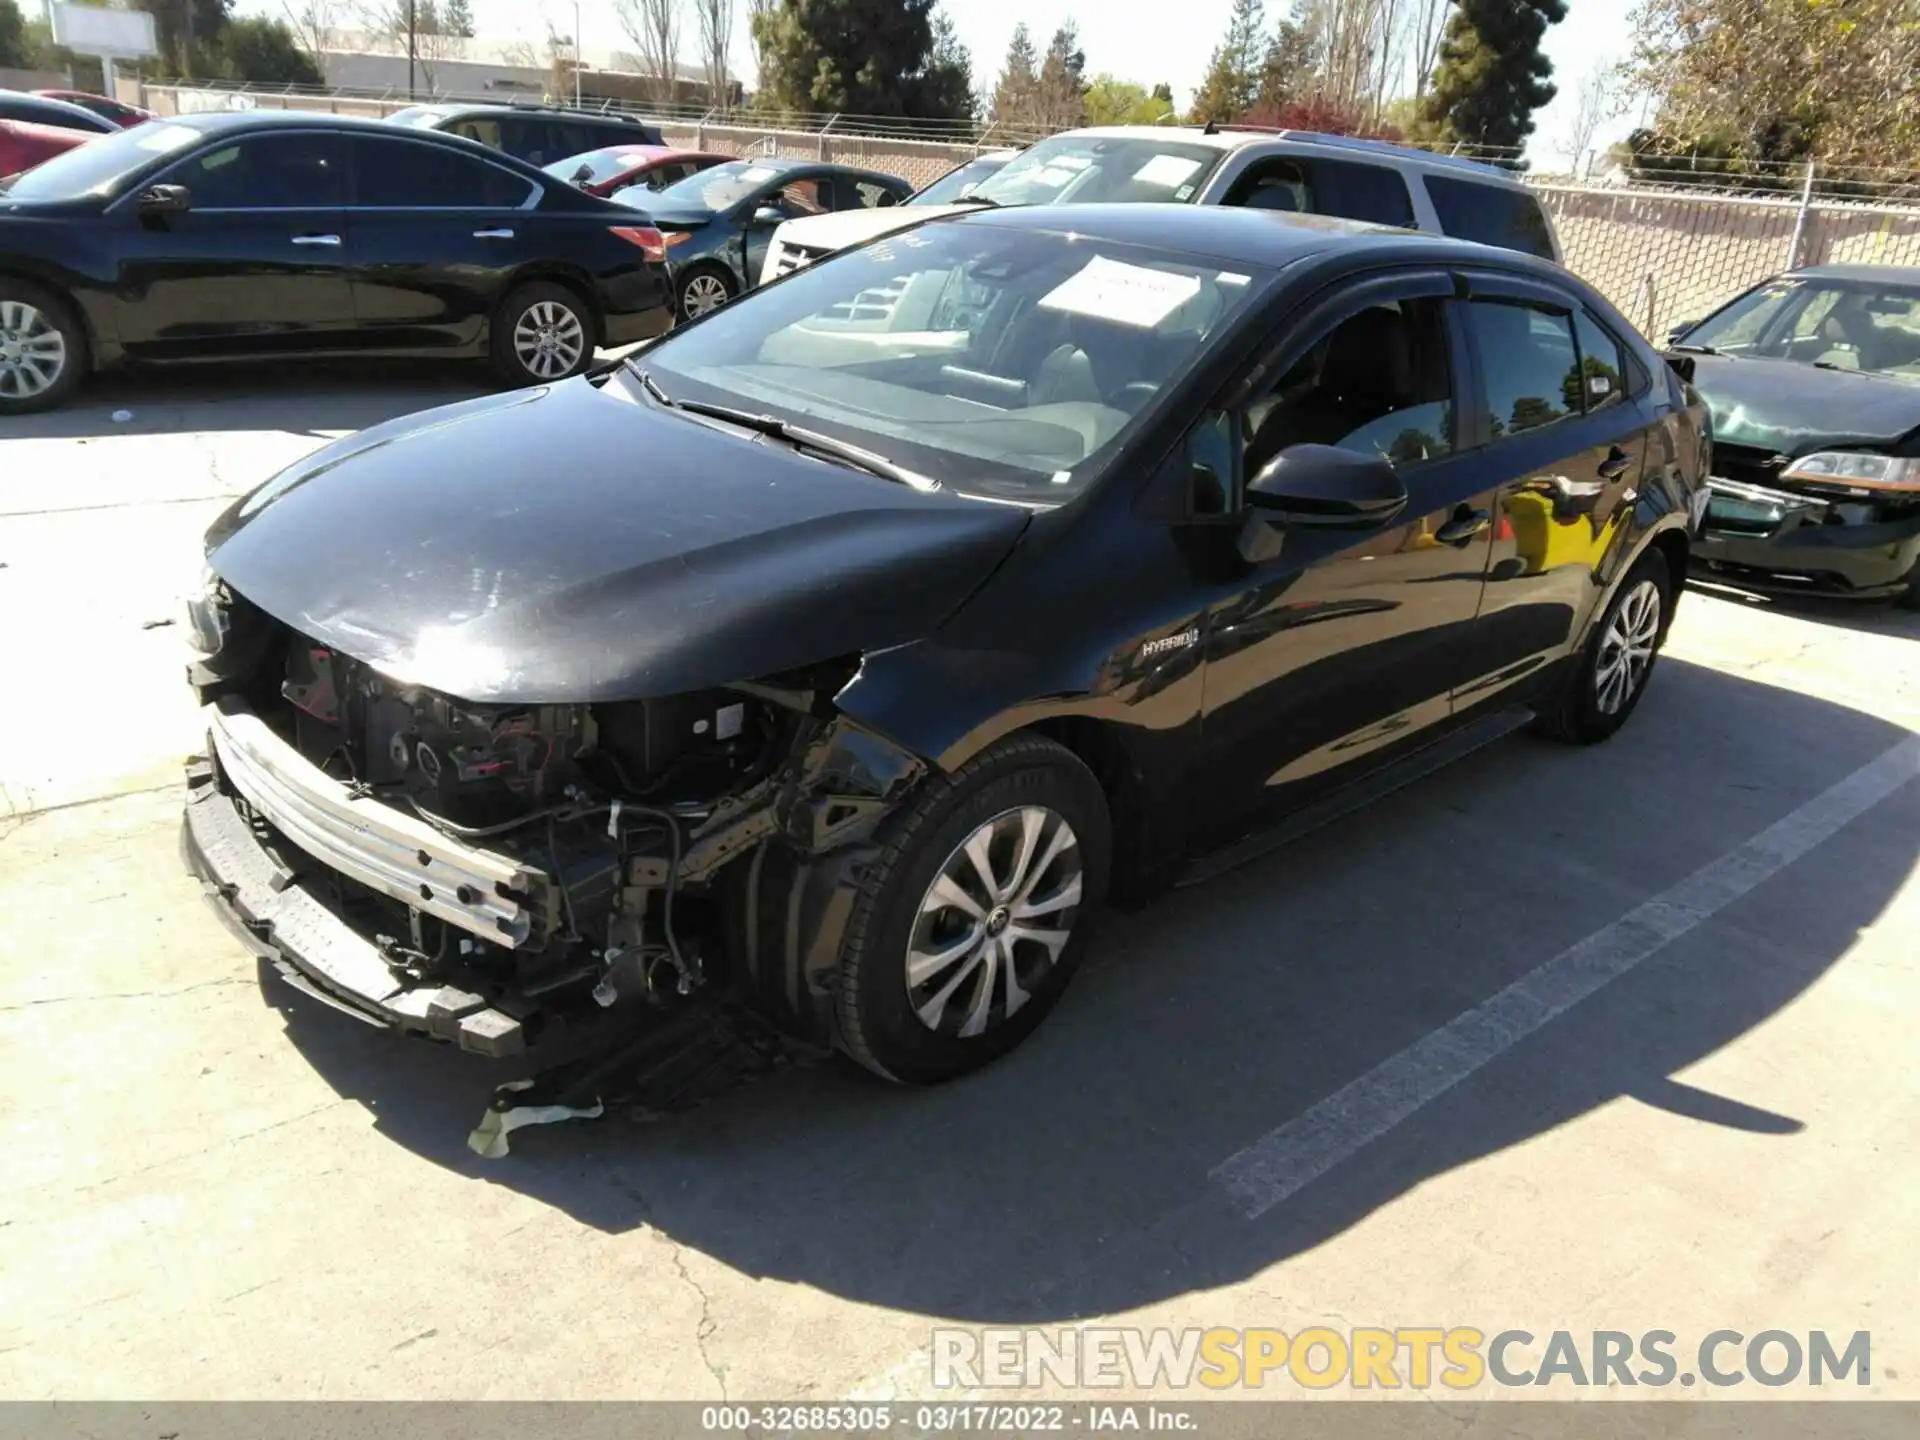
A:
[(1839, 523), (494, 874)]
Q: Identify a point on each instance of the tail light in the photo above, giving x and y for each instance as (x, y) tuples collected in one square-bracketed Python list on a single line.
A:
[(651, 242)]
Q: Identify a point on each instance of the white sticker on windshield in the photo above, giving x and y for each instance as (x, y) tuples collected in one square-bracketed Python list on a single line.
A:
[(1227, 277), (1075, 163), (758, 172), (1185, 192), (1125, 294), (1167, 170)]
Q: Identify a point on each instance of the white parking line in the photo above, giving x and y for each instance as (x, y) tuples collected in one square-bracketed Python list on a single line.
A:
[(1286, 1159)]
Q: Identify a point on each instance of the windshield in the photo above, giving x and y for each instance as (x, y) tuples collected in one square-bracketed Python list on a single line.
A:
[(101, 166), (959, 182), (417, 115), (599, 165), (1087, 169), (1847, 325), (719, 188), (1002, 363)]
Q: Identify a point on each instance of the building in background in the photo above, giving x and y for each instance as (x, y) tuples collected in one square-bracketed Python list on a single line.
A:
[(504, 71)]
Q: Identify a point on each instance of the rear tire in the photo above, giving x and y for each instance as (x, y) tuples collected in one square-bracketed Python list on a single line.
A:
[(1612, 672), (543, 333), (43, 348), (943, 972)]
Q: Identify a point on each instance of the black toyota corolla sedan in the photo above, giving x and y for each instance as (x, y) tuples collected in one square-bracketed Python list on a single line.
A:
[(288, 235), (845, 651)]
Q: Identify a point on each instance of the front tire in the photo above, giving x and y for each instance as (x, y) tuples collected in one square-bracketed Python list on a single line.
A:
[(43, 348), (704, 289), (1611, 673), (971, 923), (543, 334)]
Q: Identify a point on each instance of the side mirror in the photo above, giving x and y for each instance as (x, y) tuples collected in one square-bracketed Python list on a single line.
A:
[(1323, 487), (583, 176), (1678, 330), (767, 216), (166, 200)]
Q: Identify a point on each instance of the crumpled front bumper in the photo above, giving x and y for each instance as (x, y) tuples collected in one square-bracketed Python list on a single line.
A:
[(1800, 551), (258, 890)]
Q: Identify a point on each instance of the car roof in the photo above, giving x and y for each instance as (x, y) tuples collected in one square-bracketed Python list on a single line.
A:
[(1234, 233), (1870, 274), (1230, 137), (447, 110), (57, 106)]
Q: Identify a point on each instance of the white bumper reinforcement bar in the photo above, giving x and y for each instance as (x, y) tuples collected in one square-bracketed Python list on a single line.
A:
[(483, 892)]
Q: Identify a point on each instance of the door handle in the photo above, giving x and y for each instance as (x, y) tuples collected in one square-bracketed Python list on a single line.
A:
[(316, 239), (493, 234), (1615, 465), (1464, 525)]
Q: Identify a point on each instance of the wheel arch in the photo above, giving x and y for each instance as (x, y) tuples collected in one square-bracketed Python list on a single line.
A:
[(555, 272)]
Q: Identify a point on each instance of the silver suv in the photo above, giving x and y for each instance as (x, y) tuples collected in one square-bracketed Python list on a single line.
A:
[(1291, 170)]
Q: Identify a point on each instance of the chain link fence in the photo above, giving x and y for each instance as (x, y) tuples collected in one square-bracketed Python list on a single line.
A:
[(1661, 254)]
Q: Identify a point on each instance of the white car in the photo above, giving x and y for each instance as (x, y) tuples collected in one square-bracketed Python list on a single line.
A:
[(799, 242), (1295, 170)]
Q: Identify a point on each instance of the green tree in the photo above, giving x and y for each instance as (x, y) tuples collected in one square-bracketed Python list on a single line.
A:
[(456, 18), (1228, 89), (1121, 102), (262, 52), (1746, 84), (1286, 77), (1492, 75), (944, 89), (1013, 94), (1060, 97), (860, 57), (15, 52), (188, 32)]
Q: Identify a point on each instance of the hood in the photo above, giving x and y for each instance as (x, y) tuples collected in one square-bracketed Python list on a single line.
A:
[(1791, 408), (578, 544), (680, 217), (845, 228)]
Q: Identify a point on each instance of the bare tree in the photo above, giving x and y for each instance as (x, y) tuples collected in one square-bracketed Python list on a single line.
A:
[(414, 25), (1593, 103), (654, 28), (311, 21), (1426, 24), (715, 20)]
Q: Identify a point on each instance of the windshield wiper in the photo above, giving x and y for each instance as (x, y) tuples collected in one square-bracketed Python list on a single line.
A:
[(1694, 349), (799, 437)]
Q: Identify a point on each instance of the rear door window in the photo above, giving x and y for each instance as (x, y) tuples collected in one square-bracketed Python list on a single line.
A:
[(397, 174), (1529, 365), (1490, 215), (1309, 184), (487, 132)]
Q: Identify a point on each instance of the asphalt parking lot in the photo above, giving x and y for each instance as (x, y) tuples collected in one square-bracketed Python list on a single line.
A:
[(1693, 1110)]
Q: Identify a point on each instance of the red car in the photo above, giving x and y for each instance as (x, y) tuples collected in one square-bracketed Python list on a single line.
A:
[(124, 115), (601, 172), (23, 146)]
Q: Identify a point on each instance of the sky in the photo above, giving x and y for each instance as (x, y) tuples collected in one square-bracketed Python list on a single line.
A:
[(1132, 39)]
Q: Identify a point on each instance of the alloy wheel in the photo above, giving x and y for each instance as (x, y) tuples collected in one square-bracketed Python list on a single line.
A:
[(1626, 648), (33, 352), (549, 340), (994, 921), (704, 293)]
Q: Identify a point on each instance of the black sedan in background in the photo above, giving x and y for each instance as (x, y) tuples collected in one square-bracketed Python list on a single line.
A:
[(1814, 382), (718, 223), (538, 135), (868, 632), (285, 234)]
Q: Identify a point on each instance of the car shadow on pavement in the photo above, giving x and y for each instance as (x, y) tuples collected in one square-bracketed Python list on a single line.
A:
[(1072, 1178), (312, 398)]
